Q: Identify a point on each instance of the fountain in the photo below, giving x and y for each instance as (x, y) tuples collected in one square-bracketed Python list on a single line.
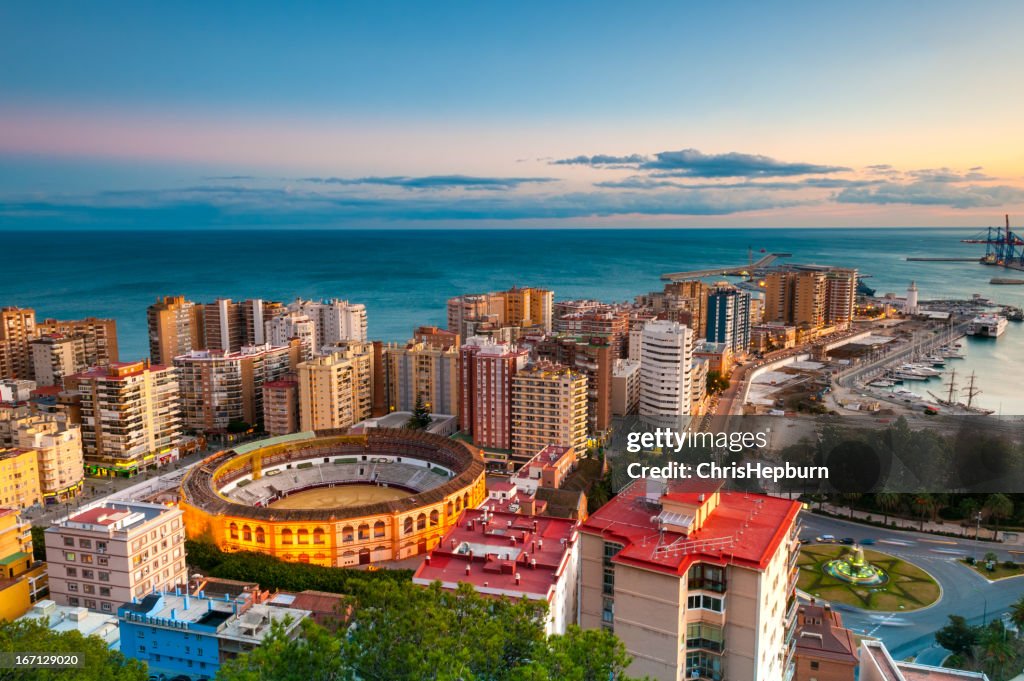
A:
[(854, 569)]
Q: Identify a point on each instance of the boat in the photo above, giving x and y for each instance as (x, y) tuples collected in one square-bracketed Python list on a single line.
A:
[(952, 398), (935, 360), (882, 383), (987, 326), (909, 376)]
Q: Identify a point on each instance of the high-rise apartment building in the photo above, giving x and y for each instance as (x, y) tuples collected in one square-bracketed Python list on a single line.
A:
[(680, 301), (666, 353), (840, 296), (99, 336), (489, 313), (549, 407), (728, 318), (486, 369), (231, 326), (591, 355), (58, 446), (609, 321), (335, 320), (221, 388), (288, 325), (426, 370), (175, 328), (697, 582), (19, 478), (336, 390), (17, 328), (131, 416), (57, 356), (281, 406), (114, 552), (800, 296), (625, 387)]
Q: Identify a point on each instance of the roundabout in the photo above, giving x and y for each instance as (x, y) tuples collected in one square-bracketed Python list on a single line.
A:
[(869, 580)]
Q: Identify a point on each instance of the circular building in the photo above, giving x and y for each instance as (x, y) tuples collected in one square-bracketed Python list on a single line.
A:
[(334, 499)]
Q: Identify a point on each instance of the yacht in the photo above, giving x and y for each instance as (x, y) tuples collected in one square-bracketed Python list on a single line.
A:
[(987, 326)]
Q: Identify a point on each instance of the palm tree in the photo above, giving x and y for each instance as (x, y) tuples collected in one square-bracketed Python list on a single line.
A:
[(888, 502), (998, 506), (1017, 613), (923, 505), (996, 651)]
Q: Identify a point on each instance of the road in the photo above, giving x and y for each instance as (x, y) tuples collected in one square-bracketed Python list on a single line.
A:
[(964, 592)]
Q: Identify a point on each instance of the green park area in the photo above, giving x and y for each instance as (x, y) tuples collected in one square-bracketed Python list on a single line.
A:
[(903, 586)]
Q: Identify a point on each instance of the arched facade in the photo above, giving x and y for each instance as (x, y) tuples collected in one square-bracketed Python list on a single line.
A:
[(388, 530)]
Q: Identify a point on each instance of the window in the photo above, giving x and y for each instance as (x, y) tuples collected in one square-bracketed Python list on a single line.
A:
[(233, 530), (105, 591), (610, 549), (303, 536), (246, 533), (814, 664), (69, 556), (90, 603), (72, 586), (378, 528), (139, 633), (72, 572), (84, 544), (261, 537), (707, 577), (318, 535), (105, 607), (89, 588), (104, 576), (407, 525), (704, 635), (702, 664), (286, 536), (86, 558), (608, 610), (101, 560), (69, 541), (73, 601), (87, 574), (101, 546), (421, 521), (704, 602)]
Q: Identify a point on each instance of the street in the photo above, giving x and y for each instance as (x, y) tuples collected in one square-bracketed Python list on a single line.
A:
[(964, 592)]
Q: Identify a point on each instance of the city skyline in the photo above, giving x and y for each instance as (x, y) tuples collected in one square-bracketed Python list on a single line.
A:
[(453, 116)]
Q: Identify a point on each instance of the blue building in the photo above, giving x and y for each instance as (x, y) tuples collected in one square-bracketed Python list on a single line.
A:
[(729, 318), (192, 635)]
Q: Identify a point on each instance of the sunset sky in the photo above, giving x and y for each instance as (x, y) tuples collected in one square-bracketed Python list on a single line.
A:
[(606, 114)]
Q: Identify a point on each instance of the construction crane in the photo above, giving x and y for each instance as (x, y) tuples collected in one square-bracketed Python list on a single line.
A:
[(1002, 247)]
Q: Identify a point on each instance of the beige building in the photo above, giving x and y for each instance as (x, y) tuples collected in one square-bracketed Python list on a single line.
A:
[(99, 336), (57, 356), (281, 406), (549, 407), (175, 328), (230, 326), (336, 390), (19, 478), (105, 555), (625, 387), (58, 446), (17, 328), (840, 296), (876, 664), (219, 388), (131, 416), (425, 371), (491, 313), (697, 582)]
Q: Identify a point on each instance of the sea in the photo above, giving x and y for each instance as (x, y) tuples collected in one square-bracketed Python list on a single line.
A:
[(404, 277)]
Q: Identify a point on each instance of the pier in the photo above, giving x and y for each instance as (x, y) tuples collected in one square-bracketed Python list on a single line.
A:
[(943, 259), (741, 270)]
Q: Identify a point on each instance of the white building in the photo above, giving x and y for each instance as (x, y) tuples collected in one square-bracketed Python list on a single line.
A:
[(288, 325), (336, 320), (910, 306), (666, 353), (16, 389)]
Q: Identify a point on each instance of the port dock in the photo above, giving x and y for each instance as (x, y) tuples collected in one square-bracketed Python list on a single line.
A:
[(943, 259), (1000, 281), (740, 270)]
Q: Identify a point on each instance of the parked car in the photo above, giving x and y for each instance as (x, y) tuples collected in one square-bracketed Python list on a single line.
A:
[(867, 542), (849, 541), (827, 539)]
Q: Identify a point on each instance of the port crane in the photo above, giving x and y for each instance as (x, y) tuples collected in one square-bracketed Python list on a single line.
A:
[(1002, 246)]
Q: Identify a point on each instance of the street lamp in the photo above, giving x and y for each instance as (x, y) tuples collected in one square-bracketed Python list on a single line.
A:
[(977, 532)]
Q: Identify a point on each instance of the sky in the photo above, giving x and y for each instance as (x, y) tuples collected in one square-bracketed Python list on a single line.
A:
[(149, 115)]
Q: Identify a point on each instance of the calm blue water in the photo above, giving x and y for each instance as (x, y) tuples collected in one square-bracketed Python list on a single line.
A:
[(404, 277)]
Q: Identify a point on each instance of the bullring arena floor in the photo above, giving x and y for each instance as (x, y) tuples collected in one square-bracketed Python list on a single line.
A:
[(342, 496)]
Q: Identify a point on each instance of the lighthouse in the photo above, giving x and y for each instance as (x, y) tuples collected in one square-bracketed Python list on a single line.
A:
[(911, 306)]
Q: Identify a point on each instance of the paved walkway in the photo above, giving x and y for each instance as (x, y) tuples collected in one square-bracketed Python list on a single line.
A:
[(928, 526)]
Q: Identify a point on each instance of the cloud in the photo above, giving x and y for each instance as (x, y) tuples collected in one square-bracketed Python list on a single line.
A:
[(947, 175), (693, 163), (645, 182), (227, 178), (211, 206), (933, 194), (602, 160), (434, 181)]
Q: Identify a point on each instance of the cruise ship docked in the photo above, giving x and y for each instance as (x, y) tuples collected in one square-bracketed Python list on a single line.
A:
[(990, 325)]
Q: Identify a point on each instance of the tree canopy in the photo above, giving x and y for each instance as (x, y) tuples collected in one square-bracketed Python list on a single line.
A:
[(99, 663)]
